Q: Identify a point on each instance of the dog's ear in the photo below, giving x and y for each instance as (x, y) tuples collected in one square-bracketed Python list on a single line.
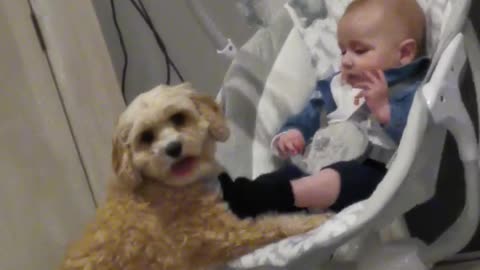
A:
[(209, 109), (122, 163)]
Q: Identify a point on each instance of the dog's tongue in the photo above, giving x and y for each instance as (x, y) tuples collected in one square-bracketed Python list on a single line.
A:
[(183, 167)]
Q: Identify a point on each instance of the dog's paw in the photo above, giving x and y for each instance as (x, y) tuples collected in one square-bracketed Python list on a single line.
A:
[(297, 224), (293, 224)]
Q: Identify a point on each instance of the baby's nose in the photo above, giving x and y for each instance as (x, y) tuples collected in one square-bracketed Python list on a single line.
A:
[(347, 61)]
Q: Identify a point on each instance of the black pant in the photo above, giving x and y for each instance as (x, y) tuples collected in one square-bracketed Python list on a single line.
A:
[(272, 192)]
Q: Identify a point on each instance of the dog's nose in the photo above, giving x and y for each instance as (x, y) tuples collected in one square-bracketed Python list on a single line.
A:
[(174, 149)]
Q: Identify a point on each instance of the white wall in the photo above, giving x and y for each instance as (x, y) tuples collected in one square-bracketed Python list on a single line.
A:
[(188, 45)]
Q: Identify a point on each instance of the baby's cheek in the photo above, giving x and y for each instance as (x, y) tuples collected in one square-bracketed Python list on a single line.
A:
[(371, 60), (377, 62), (366, 63)]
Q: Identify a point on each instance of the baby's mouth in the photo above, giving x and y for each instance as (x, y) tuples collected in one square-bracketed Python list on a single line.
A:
[(184, 166), (353, 79)]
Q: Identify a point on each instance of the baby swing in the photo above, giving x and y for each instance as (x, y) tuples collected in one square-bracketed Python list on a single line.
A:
[(287, 56)]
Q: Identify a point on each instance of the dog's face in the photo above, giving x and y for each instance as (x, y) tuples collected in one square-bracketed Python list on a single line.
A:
[(168, 134)]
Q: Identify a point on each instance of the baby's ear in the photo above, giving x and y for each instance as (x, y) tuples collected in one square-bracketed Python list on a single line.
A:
[(408, 51), (209, 109), (122, 162)]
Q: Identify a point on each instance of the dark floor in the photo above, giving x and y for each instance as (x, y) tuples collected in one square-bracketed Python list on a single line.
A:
[(430, 219)]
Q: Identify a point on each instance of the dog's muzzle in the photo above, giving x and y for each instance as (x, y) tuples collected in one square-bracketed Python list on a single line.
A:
[(174, 149)]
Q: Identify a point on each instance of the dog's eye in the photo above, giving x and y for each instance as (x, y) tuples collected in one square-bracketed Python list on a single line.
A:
[(178, 119), (147, 137)]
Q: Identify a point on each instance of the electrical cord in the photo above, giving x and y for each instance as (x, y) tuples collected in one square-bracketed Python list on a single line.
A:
[(169, 64), (160, 42), (124, 48), (140, 7), (142, 10)]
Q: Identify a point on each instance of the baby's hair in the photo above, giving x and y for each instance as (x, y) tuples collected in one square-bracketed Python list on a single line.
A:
[(407, 12)]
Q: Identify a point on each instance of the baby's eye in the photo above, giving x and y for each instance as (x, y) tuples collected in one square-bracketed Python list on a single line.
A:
[(361, 50)]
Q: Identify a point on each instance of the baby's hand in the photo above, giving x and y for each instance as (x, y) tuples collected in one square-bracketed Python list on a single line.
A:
[(290, 143), (375, 92)]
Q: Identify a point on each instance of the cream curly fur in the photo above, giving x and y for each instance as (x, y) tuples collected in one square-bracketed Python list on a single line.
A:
[(157, 219)]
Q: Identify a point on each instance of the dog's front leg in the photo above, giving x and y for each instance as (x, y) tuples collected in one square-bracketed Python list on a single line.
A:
[(235, 237)]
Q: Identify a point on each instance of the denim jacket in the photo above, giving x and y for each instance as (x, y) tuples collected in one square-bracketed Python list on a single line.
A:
[(402, 82)]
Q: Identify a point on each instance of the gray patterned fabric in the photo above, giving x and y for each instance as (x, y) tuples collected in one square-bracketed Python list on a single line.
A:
[(309, 10), (241, 92), (260, 12), (293, 253)]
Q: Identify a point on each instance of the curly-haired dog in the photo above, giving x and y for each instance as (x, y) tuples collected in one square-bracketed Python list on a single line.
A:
[(163, 210)]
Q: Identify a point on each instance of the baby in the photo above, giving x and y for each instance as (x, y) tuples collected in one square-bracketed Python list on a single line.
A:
[(382, 46)]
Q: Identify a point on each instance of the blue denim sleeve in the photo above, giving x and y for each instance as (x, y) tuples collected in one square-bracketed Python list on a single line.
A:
[(307, 121), (399, 109)]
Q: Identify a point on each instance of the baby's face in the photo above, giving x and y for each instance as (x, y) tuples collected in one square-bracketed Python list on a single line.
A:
[(365, 45)]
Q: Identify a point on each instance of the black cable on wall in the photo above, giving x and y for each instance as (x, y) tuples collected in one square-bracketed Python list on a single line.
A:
[(169, 64)]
